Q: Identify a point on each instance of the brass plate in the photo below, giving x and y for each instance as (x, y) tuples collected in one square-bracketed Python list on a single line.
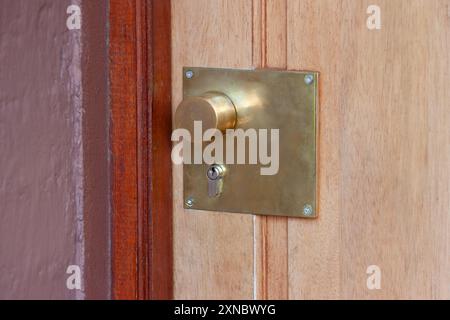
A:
[(264, 99)]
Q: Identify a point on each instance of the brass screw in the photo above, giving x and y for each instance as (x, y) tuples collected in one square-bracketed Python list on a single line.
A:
[(189, 74), (307, 210), (309, 79), (189, 202)]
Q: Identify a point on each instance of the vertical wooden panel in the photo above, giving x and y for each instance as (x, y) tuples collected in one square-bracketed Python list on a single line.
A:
[(313, 44), (160, 128), (438, 150), (276, 230), (142, 150), (140, 77), (124, 154), (384, 150), (395, 179), (213, 252), (270, 45)]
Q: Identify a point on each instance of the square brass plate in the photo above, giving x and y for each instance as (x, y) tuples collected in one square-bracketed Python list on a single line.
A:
[(265, 99)]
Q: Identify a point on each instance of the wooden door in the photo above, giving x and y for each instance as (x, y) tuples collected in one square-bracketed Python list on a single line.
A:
[(384, 162)]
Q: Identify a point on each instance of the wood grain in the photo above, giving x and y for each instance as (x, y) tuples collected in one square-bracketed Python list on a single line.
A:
[(160, 164), (276, 230), (384, 150), (313, 248), (270, 51), (213, 252), (123, 147), (140, 142)]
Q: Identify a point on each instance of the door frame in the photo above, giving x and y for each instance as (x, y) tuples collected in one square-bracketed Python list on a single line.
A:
[(141, 167)]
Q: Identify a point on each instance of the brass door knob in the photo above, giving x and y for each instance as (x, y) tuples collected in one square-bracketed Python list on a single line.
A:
[(213, 109)]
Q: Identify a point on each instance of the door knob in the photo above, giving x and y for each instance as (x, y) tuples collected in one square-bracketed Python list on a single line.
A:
[(214, 109)]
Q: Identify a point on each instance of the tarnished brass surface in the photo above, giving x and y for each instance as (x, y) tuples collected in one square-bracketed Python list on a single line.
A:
[(214, 109), (263, 99)]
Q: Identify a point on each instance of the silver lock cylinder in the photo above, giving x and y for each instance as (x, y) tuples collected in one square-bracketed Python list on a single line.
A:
[(214, 175)]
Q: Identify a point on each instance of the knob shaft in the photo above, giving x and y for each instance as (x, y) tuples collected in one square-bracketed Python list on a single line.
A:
[(213, 109)]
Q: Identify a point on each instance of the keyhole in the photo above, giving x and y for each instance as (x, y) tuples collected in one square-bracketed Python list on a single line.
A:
[(214, 172)]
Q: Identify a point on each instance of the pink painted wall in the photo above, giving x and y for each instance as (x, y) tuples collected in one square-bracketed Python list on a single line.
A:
[(54, 209)]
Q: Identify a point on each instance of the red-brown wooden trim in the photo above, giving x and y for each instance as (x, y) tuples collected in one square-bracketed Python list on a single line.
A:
[(161, 145), (140, 130)]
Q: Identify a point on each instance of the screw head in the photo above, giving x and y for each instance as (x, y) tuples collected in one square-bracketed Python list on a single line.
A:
[(189, 202), (189, 74), (309, 79), (307, 210)]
